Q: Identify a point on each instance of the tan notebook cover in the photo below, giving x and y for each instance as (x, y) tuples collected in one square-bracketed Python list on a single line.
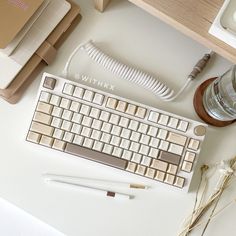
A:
[(43, 56), (13, 16)]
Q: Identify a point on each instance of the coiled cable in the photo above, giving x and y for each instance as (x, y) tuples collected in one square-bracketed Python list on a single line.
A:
[(135, 75)]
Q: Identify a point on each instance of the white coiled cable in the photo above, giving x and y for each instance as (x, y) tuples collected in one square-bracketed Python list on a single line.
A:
[(131, 74)]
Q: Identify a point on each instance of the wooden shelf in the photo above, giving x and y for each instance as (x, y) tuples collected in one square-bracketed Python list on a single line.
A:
[(193, 18)]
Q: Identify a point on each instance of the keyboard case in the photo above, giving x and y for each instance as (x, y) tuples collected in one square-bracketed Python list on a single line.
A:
[(43, 56)]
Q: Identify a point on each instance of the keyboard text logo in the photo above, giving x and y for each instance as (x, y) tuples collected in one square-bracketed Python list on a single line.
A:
[(96, 82)]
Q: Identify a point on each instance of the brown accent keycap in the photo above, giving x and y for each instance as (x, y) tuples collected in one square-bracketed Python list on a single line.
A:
[(169, 157), (95, 156), (49, 83)]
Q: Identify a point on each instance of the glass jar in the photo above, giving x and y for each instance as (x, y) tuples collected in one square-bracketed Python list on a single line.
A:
[(219, 99)]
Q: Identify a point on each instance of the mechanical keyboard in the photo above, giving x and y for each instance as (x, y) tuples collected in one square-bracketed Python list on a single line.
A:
[(99, 126)]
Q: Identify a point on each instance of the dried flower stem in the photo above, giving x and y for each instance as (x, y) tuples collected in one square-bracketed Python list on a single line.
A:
[(211, 202)]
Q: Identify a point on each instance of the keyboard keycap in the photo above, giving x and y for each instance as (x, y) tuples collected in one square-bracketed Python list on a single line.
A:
[(135, 136), (131, 109), (41, 128), (173, 122), (131, 167), (153, 116), (59, 145), (57, 111), (136, 158), (56, 122), (94, 113), (114, 119), (65, 103), (44, 107), (133, 125), (125, 143), (176, 138), (164, 145), (33, 137), (78, 139), (98, 98), (152, 131), (111, 103), (160, 176), (58, 134), (146, 161), (159, 165), (42, 118), (172, 169), (140, 112), (163, 120), (179, 182), (124, 122), (150, 173), (121, 106), (78, 92), (169, 179), (45, 97), (115, 140), (98, 146), (116, 130), (95, 156), (85, 110), (46, 141), (127, 155), (66, 125), (49, 83), (143, 128), (169, 157), (96, 134), (88, 143), (68, 89), (104, 116), (68, 137), (88, 95), (75, 106), (183, 126), (187, 166), (141, 170), (189, 156), (117, 152), (176, 149), (193, 144), (55, 100)]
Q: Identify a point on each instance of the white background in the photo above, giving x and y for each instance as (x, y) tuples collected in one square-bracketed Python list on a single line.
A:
[(128, 33)]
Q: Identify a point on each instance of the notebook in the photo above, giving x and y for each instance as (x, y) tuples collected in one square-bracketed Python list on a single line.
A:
[(10, 10), (44, 55), (9, 49), (43, 26)]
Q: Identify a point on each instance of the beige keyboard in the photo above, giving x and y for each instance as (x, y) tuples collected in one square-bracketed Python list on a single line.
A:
[(99, 126)]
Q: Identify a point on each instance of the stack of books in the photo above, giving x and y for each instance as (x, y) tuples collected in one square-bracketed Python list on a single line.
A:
[(30, 32)]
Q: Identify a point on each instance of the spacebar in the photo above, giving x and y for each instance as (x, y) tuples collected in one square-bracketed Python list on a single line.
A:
[(95, 156)]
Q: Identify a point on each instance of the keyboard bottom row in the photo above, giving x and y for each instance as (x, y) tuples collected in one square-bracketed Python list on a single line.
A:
[(94, 150)]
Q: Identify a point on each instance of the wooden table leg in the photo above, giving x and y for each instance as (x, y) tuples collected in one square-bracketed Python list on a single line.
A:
[(101, 4)]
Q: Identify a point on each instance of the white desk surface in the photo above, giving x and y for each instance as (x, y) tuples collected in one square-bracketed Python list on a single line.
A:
[(138, 38)]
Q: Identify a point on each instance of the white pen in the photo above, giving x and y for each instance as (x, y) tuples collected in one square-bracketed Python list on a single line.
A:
[(85, 181), (92, 189)]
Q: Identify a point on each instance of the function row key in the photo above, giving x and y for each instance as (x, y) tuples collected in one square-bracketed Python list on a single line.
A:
[(82, 93), (125, 107), (166, 120)]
